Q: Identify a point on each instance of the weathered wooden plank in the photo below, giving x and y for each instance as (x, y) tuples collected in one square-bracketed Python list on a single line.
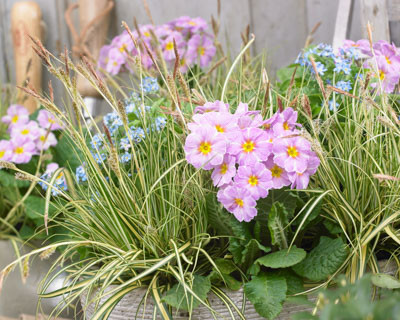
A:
[(375, 12), (280, 28), (342, 23), (324, 12), (55, 38), (3, 62)]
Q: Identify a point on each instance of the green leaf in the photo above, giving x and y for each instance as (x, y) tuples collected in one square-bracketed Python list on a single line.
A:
[(304, 315), (286, 198), (8, 180), (293, 281), (177, 298), (218, 218), (278, 219), (283, 258), (66, 154), (323, 260), (224, 279), (225, 266), (266, 292), (35, 207), (385, 281)]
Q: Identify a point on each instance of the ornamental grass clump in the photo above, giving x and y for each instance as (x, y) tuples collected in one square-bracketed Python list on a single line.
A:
[(135, 210)]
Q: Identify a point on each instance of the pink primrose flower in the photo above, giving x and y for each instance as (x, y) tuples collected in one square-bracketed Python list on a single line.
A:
[(205, 148), (16, 115), (256, 179), (249, 146), (223, 173), (47, 120), (279, 176), (5, 150), (22, 149), (292, 154), (238, 201)]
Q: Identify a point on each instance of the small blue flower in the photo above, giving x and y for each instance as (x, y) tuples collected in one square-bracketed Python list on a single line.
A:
[(137, 134), (343, 85), (332, 107), (80, 174), (320, 68), (97, 141), (60, 184), (133, 98), (149, 85), (130, 107), (99, 158), (126, 157), (125, 144), (160, 123), (342, 65)]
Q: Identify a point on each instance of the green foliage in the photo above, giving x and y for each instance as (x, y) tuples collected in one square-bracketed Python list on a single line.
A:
[(324, 260), (355, 301), (283, 258), (181, 300), (267, 292)]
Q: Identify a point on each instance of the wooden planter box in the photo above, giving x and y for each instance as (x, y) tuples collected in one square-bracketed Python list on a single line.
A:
[(132, 305)]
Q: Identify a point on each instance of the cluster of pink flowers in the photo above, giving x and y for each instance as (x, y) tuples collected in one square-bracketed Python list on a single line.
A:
[(386, 63), (249, 155), (194, 45), (27, 137)]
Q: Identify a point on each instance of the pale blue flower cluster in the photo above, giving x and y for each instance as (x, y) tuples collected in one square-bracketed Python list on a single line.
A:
[(60, 184), (343, 85), (150, 85), (80, 174)]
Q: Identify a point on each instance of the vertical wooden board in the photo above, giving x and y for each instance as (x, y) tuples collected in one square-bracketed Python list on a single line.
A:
[(54, 40), (3, 70), (280, 28), (356, 26), (325, 12), (375, 12), (342, 22)]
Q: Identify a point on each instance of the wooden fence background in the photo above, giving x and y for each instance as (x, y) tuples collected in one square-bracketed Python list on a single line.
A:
[(281, 27)]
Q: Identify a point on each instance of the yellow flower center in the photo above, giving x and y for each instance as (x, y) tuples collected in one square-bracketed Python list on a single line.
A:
[(123, 47), (2, 153), (205, 148), (43, 138), (292, 152), (299, 174), (19, 150), (169, 46), (115, 63), (239, 202), (51, 121), (192, 23), (146, 34), (219, 128), (248, 146), (276, 171), (183, 61), (285, 126), (388, 60), (381, 75), (202, 51), (60, 175), (14, 119), (224, 168), (253, 181), (25, 131)]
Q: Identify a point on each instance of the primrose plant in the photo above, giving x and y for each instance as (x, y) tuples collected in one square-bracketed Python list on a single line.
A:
[(188, 36), (249, 155)]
